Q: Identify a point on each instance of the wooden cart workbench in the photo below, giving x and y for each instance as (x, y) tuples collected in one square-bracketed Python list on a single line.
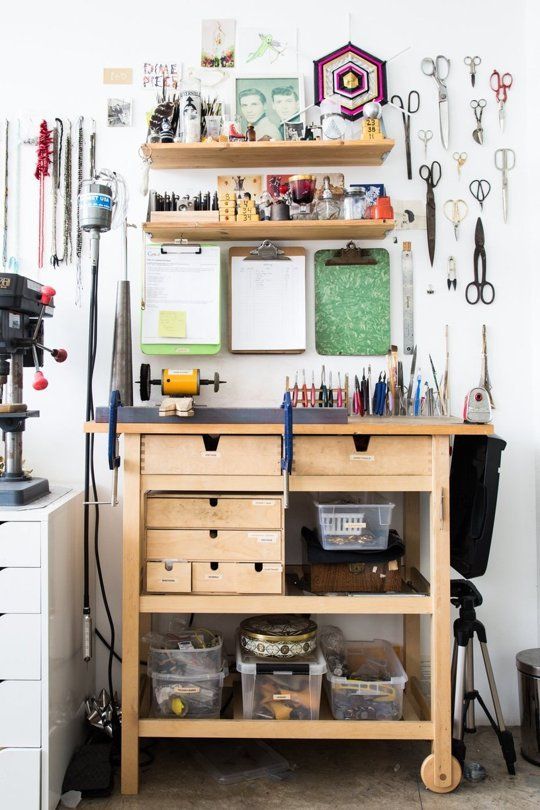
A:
[(369, 454)]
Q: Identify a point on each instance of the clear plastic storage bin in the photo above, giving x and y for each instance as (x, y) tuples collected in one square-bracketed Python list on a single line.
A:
[(281, 690), (189, 696), (374, 687), (186, 660), (361, 524)]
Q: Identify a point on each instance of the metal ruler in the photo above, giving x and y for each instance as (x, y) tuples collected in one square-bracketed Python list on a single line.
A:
[(408, 303)]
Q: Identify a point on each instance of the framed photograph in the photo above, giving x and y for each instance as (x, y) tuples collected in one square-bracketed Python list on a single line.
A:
[(119, 112), (218, 41), (268, 101), (293, 132)]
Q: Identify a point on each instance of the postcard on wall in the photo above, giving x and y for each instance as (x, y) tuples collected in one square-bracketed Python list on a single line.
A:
[(119, 112), (218, 43), (239, 185), (157, 75), (268, 49), (410, 215), (117, 75)]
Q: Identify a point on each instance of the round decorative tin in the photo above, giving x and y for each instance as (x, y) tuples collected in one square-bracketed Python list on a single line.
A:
[(278, 636)]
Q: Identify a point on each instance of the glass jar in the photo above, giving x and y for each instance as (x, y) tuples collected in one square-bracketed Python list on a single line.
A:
[(354, 204), (328, 206)]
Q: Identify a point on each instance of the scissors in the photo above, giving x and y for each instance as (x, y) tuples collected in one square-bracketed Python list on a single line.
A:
[(505, 160), (456, 211), (479, 289), (460, 158), (480, 190), (472, 63), (439, 69), (501, 84), (425, 135), (432, 175), (478, 106), (413, 105)]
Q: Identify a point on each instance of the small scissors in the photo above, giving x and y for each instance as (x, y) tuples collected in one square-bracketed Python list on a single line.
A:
[(505, 160), (478, 286), (413, 105), (425, 135), (460, 158), (472, 63), (480, 190), (501, 84), (478, 106), (439, 70), (456, 211)]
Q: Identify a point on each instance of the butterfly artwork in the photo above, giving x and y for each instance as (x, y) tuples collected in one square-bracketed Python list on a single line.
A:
[(269, 48)]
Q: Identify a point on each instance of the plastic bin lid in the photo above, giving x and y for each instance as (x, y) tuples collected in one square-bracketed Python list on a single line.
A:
[(203, 676), (246, 663), (528, 662), (361, 499), (398, 677)]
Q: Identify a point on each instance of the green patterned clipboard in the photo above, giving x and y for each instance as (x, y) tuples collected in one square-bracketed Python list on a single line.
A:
[(352, 305)]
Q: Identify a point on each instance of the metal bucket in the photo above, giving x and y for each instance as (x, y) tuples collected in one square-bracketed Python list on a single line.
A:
[(528, 666)]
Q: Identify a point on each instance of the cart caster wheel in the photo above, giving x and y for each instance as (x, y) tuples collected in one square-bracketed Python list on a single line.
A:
[(427, 774)]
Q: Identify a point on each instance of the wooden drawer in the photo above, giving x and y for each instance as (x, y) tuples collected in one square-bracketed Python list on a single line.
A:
[(20, 544), (20, 714), (219, 512), (213, 544), (20, 781), (219, 455), (374, 455), (20, 646), (230, 577), (20, 590), (168, 577)]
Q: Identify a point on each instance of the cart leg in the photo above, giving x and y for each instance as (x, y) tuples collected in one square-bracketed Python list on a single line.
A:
[(411, 623), (130, 616), (440, 771)]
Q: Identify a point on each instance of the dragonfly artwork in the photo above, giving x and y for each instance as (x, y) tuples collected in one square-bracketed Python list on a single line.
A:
[(268, 46)]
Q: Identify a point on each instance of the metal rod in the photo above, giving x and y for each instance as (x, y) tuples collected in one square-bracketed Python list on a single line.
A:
[(13, 439), (470, 722)]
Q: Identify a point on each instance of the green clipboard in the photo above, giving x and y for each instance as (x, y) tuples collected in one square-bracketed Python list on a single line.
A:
[(197, 252), (352, 301)]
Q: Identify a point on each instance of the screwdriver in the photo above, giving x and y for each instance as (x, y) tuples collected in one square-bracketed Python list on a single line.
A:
[(323, 394), (313, 390), (305, 400), (330, 392), (339, 402)]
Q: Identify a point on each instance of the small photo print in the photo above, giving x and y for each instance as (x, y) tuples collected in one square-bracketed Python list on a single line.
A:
[(293, 132), (410, 215), (218, 41), (237, 186), (119, 112)]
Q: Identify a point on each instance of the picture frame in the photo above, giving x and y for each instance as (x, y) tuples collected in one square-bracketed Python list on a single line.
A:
[(267, 101), (293, 131), (119, 112)]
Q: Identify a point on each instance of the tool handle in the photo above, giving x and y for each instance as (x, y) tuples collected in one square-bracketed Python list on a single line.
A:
[(286, 461), (114, 404)]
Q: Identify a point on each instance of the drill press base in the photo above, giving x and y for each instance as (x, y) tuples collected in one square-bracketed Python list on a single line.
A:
[(21, 493)]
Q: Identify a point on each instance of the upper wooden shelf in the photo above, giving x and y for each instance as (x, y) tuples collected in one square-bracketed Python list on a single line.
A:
[(217, 155), (290, 229)]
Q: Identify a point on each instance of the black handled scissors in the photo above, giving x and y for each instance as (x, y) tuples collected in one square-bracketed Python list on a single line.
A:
[(479, 289), (480, 190), (413, 105), (432, 175)]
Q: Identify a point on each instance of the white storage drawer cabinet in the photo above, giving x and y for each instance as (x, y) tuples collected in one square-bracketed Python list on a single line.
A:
[(43, 679)]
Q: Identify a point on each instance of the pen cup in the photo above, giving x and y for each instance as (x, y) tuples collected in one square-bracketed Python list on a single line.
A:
[(213, 126)]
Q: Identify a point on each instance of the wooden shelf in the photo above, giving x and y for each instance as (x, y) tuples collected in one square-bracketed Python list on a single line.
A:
[(339, 229), (267, 154)]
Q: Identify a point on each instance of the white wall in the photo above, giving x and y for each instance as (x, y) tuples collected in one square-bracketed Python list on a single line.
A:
[(51, 62)]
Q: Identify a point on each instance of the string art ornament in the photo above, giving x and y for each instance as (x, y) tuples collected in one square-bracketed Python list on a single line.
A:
[(44, 152), (354, 76)]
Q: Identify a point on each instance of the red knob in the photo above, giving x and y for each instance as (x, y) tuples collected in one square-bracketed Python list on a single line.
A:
[(47, 294), (40, 383), (59, 355)]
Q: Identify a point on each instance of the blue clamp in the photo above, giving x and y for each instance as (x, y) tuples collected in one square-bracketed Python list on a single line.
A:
[(114, 456), (287, 459)]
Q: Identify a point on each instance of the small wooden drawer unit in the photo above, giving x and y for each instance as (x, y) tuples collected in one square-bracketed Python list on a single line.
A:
[(362, 455), (214, 544), (236, 577), (173, 511), (210, 455), (168, 576)]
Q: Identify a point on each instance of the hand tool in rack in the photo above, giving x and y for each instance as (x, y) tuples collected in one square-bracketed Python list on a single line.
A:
[(413, 105), (356, 397), (439, 68), (445, 388), (456, 211), (287, 459), (431, 175), (472, 63), (479, 289), (425, 136), (505, 160), (330, 392), (461, 159), (294, 397), (411, 383), (305, 398), (480, 190), (485, 381), (436, 381), (408, 299), (501, 83), (393, 380), (451, 281), (369, 400), (313, 392), (380, 395), (339, 398), (417, 396), (478, 106), (323, 393)]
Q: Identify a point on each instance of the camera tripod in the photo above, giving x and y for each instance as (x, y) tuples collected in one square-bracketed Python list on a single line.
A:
[(466, 597)]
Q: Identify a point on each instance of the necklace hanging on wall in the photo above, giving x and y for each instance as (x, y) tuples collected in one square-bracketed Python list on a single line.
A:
[(67, 246), (57, 137), (80, 170), (6, 203), (44, 149), (92, 153)]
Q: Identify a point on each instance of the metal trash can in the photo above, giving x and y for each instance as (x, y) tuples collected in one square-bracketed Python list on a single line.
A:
[(528, 665)]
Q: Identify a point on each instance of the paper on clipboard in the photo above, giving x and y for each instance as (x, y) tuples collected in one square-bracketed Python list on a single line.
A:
[(186, 284), (268, 304)]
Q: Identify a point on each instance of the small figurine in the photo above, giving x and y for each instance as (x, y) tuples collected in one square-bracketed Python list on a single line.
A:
[(250, 133)]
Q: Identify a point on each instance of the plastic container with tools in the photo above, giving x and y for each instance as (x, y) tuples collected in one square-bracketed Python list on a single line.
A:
[(188, 696), (360, 524), (281, 690), (371, 683), (192, 653)]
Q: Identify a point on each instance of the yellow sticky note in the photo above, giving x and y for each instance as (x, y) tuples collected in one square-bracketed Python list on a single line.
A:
[(172, 324)]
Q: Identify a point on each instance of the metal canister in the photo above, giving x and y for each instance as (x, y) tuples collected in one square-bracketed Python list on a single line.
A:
[(95, 206), (528, 666), (278, 636)]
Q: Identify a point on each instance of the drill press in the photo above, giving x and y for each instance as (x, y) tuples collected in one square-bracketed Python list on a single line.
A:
[(23, 306)]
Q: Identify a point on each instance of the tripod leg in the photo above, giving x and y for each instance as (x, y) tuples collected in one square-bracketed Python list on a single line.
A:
[(459, 693), (453, 672), (470, 724), (505, 737)]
